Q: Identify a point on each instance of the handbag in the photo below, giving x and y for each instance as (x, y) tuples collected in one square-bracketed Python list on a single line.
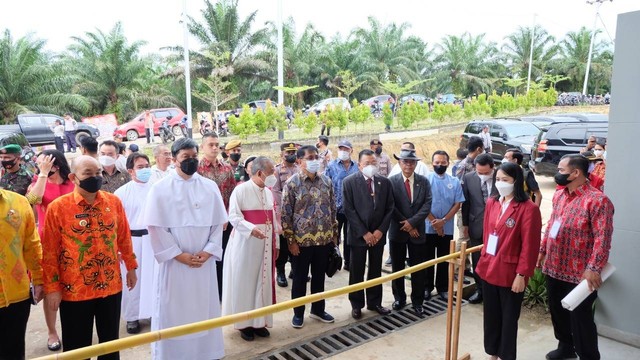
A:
[(335, 260)]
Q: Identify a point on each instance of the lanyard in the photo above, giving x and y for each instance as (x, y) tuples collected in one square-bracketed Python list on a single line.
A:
[(495, 226)]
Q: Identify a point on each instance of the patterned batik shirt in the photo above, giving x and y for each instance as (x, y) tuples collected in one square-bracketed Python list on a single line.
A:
[(464, 167), (584, 236), (111, 183), (82, 244), (309, 211), (222, 174), (18, 181)]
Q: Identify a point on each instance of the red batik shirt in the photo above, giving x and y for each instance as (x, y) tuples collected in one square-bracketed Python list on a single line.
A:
[(584, 236), (222, 174)]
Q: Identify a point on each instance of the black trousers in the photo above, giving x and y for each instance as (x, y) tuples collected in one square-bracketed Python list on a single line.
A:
[(76, 318), (325, 127), (357, 265), (343, 227), (283, 255), (573, 329), (438, 246), (147, 133), (417, 255), (220, 264), (475, 257), (317, 258), (13, 328), (59, 141), (70, 137), (501, 313)]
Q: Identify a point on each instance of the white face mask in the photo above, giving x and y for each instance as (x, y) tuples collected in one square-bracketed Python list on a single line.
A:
[(313, 166), (343, 155), (484, 178), (598, 153), (370, 171), (270, 181), (504, 188), (107, 160)]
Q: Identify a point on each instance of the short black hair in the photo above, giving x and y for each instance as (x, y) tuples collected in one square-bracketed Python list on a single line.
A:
[(324, 139), (514, 171), (131, 159), (90, 144), (302, 151), (183, 144), (411, 145), (121, 148), (365, 152), (484, 159), (209, 135), (60, 161), (439, 152), (462, 153), (111, 143), (516, 154), (475, 142), (577, 161)]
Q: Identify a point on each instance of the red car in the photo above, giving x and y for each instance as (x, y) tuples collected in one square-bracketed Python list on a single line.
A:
[(134, 128)]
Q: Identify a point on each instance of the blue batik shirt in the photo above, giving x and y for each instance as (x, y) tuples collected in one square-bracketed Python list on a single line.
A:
[(336, 172)]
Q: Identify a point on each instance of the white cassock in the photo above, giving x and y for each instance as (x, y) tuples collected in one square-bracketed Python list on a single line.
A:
[(186, 216), (421, 169), (138, 303), (248, 265), (157, 174)]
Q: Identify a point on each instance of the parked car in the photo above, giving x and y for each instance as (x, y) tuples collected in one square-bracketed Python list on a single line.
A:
[(420, 99), (37, 128), (322, 105), (134, 128), (382, 99), (544, 121), (586, 116), (560, 139), (505, 134)]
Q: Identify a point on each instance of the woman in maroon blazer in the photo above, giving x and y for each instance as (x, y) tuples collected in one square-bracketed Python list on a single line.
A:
[(512, 225)]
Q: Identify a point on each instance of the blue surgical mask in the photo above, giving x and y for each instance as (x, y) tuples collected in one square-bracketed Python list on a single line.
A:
[(143, 175)]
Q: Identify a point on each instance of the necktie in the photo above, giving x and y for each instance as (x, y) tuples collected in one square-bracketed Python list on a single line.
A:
[(485, 191), (407, 186), (370, 187)]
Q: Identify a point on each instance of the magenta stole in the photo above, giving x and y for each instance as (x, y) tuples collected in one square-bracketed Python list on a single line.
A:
[(260, 217)]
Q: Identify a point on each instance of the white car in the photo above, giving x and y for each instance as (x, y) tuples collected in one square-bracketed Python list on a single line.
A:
[(323, 105)]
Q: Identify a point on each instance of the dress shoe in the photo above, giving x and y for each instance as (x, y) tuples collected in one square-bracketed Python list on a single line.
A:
[(427, 295), (418, 309), (297, 322), (379, 309), (262, 332), (397, 305), (247, 334), (356, 313), (468, 272), (346, 266), (133, 327), (464, 280), (560, 354), (282, 280), (476, 298), (444, 296)]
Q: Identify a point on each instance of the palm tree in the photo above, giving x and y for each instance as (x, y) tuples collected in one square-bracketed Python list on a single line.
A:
[(31, 81), (575, 53), (517, 50)]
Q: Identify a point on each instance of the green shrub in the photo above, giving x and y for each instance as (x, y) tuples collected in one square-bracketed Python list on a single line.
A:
[(244, 125), (387, 115), (536, 291), (359, 114)]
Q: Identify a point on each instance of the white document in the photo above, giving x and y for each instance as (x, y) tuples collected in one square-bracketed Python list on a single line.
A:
[(555, 228), (492, 244), (581, 292)]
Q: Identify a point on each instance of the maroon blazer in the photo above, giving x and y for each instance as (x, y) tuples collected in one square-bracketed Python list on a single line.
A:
[(519, 232)]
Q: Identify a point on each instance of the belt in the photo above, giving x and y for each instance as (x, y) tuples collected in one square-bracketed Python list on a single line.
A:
[(139, 233)]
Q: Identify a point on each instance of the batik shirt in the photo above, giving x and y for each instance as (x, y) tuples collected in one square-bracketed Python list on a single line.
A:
[(111, 183), (337, 172), (82, 244), (18, 181), (222, 174)]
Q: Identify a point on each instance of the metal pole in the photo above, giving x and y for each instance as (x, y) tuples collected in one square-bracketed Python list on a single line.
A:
[(593, 35), (280, 61), (187, 71), (533, 36)]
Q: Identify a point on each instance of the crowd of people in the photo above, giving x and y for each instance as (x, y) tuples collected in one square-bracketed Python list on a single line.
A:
[(202, 234)]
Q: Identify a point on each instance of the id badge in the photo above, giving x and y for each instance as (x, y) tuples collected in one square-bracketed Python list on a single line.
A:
[(492, 244), (555, 228)]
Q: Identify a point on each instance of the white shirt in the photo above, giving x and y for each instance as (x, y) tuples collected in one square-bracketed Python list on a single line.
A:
[(70, 124), (486, 139), (58, 131)]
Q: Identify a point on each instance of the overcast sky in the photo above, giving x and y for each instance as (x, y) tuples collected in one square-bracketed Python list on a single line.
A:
[(157, 21)]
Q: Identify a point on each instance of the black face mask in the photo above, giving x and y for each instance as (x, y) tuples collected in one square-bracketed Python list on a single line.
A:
[(189, 166), (91, 184), (290, 159), (9, 164), (50, 174), (378, 151), (562, 179), (440, 169), (235, 157)]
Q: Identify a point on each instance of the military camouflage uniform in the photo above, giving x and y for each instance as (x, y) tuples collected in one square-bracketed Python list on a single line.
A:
[(18, 181)]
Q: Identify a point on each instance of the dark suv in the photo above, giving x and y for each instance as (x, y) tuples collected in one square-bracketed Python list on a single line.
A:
[(505, 134), (559, 139)]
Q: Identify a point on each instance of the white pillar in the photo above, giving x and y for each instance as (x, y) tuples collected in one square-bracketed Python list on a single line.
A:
[(533, 36), (187, 71)]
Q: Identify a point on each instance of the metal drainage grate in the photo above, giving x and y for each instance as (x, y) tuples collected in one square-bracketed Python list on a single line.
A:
[(355, 334)]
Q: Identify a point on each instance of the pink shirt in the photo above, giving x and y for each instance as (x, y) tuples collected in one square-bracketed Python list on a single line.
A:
[(51, 192)]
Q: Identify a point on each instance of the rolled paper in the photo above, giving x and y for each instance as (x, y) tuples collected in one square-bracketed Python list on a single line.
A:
[(581, 292)]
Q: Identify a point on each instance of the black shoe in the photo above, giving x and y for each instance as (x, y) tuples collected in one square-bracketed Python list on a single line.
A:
[(559, 354), (379, 309), (282, 280), (247, 334), (444, 296), (418, 309), (291, 275), (476, 298), (468, 272), (427, 295), (325, 317), (346, 266), (262, 332), (397, 305), (297, 322), (356, 313), (464, 281), (133, 327)]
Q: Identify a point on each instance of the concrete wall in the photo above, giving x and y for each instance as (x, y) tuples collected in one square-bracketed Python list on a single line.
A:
[(618, 311)]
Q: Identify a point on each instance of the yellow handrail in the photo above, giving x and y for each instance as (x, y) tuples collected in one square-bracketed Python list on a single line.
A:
[(147, 338)]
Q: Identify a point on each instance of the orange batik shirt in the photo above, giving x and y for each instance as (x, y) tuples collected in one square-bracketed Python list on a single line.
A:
[(81, 244)]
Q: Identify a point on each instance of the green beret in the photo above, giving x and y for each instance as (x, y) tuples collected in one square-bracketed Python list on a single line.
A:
[(11, 149)]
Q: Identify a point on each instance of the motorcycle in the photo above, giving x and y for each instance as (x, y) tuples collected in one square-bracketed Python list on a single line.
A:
[(376, 109), (165, 132), (205, 127)]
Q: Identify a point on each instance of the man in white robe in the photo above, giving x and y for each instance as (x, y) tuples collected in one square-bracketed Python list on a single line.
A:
[(137, 303), (248, 282), (185, 228)]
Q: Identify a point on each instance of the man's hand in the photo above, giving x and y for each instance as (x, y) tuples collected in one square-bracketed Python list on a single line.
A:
[(414, 233), (38, 293), (132, 279), (593, 279), (540, 260), (294, 249), (437, 224), (377, 235), (465, 231), (257, 233), (406, 226), (190, 260), (202, 257), (224, 227), (518, 284), (369, 239), (54, 300)]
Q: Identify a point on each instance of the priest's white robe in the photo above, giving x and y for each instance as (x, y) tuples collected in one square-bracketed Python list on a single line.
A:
[(138, 303), (249, 262), (186, 216)]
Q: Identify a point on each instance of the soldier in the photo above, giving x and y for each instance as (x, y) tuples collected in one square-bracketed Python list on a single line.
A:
[(234, 150), (16, 177)]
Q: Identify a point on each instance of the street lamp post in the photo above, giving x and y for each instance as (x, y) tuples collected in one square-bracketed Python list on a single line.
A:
[(280, 62), (593, 36), (187, 70), (533, 36)]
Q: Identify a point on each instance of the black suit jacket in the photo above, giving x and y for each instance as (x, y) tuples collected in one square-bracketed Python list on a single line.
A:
[(474, 204), (363, 213), (416, 212)]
